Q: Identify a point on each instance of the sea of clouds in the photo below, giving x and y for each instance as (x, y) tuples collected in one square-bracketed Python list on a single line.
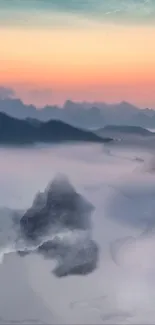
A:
[(120, 183)]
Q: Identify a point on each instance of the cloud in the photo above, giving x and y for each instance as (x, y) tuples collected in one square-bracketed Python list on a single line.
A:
[(6, 92), (101, 10)]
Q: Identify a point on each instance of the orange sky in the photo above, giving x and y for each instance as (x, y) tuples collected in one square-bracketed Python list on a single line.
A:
[(97, 62)]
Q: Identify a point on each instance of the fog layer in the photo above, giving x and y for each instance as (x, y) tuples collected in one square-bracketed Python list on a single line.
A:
[(120, 184)]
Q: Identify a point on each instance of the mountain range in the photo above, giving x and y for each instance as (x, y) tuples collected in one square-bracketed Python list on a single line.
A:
[(16, 131), (82, 114)]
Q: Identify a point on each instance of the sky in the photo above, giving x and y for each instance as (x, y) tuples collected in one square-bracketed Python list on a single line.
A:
[(84, 50)]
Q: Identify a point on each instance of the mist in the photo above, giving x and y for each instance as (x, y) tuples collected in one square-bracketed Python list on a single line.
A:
[(120, 183)]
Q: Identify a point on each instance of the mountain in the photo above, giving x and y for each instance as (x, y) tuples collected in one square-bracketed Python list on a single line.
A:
[(48, 207), (15, 131), (125, 132), (82, 114), (16, 108), (67, 214), (146, 119), (72, 113), (135, 130), (79, 114), (99, 114)]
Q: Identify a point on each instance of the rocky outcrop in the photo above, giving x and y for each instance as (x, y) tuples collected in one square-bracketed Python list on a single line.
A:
[(76, 254), (60, 225), (58, 206)]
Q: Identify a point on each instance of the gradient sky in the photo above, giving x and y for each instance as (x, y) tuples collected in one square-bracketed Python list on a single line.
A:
[(94, 50)]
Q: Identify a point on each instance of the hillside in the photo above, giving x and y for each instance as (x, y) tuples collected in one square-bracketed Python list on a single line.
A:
[(127, 129), (15, 131)]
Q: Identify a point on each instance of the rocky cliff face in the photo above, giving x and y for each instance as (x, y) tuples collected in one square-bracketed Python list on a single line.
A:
[(59, 222)]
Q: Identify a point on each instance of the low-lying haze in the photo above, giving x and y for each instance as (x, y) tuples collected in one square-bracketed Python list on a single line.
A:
[(120, 184)]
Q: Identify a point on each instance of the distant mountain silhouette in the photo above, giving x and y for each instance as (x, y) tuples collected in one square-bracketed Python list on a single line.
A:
[(15, 131), (145, 118), (124, 132), (102, 114), (16, 108), (127, 129), (82, 114), (128, 135)]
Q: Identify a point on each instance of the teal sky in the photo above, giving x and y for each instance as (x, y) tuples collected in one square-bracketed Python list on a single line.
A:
[(16, 12)]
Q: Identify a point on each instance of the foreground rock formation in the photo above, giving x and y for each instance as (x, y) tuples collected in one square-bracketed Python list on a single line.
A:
[(60, 225)]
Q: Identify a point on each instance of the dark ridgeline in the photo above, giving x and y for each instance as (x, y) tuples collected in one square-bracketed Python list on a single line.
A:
[(59, 224), (15, 131), (127, 129)]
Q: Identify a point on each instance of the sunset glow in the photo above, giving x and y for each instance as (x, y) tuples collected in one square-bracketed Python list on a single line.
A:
[(111, 61)]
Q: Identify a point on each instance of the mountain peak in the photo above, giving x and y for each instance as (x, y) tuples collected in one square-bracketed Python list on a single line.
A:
[(126, 104)]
